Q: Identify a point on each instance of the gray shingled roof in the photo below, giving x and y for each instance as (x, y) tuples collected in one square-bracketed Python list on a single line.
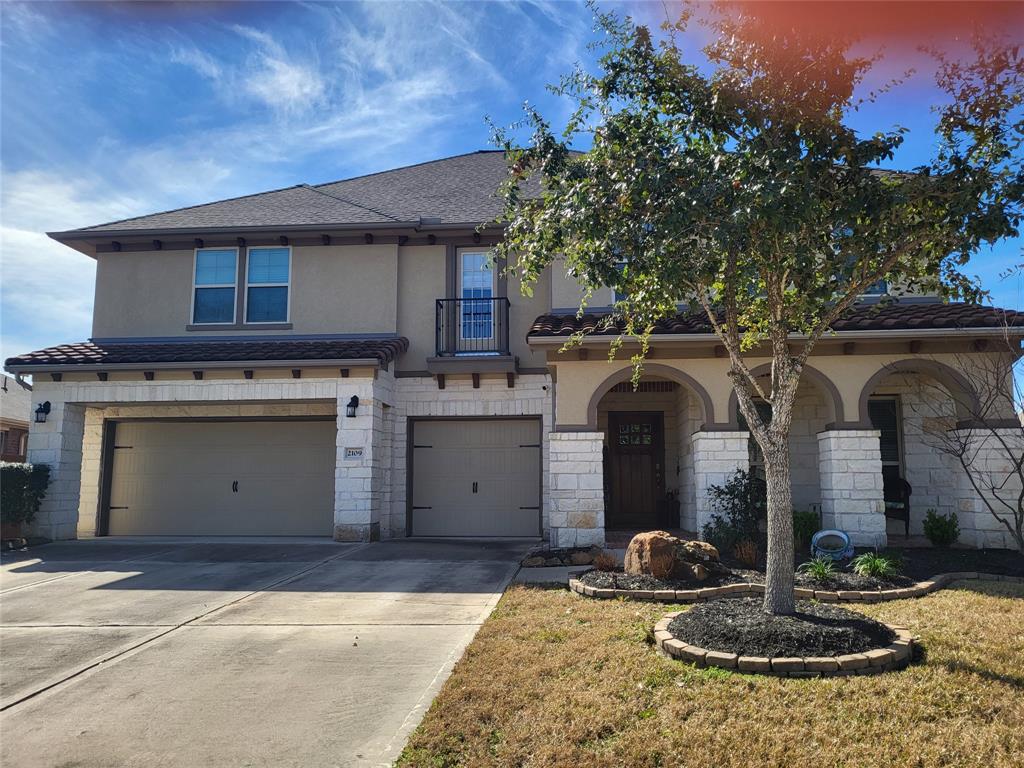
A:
[(454, 190)]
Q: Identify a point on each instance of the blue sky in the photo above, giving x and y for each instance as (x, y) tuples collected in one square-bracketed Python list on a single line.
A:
[(116, 110)]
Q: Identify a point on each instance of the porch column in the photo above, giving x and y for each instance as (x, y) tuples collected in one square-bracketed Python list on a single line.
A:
[(358, 476), (716, 457), (576, 494), (58, 443), (850, 472), (977, 525)]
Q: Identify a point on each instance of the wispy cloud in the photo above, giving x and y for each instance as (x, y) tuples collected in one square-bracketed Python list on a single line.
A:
[(192, 57)]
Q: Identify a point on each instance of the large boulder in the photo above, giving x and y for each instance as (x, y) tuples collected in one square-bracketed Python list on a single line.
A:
[(652, 553), (664, 556)]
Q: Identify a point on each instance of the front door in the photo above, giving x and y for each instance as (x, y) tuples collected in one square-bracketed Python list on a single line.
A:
[(636, 476)]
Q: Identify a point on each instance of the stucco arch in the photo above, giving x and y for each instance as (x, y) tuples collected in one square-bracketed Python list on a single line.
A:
[(651, 369), (964, 397), (833, 400)]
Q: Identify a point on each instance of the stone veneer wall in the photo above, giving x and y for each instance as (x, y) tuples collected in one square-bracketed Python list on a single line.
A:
[(978, 527), (716, 457), (850, 472), (576, 496)]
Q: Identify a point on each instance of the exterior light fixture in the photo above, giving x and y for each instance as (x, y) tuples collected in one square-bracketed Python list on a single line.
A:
[(42, 412), (350, 409)]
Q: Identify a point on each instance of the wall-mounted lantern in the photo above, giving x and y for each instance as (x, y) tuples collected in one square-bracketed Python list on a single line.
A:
[(350, 409), (42, 412)]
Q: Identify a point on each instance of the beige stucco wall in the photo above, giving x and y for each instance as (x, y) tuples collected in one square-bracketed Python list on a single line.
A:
[(566, 293), (421, 282), (522, 312), (142, 293), (334, 289), (577, 380)]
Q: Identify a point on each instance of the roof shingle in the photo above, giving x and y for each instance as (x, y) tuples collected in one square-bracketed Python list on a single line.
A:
[(864, 317), (196, 352), (453, 190)]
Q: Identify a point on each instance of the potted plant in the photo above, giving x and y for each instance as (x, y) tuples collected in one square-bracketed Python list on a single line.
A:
[(22, 489)]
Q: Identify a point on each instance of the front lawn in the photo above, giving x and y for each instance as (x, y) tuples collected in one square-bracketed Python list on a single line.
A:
[(555, 679)]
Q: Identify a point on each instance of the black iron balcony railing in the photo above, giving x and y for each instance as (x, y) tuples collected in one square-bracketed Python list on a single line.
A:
[(472, 327)]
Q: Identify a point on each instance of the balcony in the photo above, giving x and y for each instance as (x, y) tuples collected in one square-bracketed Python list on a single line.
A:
[(471, 336)]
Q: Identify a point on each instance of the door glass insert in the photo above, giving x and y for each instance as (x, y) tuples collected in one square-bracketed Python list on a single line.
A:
[(477, 315)]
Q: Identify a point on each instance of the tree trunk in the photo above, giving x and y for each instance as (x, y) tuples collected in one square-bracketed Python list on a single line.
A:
[(778, 593)]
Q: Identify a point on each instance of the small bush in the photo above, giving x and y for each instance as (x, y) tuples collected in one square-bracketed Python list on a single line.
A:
[(747, 552), (941, 530), (820, 569), (805, 525), (22, 489), (874, 564), (605, 561), (741, 505)]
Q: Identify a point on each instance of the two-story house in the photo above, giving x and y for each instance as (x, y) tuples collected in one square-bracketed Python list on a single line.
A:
[(343, 359)]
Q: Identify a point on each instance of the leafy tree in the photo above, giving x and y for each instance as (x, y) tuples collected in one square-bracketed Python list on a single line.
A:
[(745, 194)]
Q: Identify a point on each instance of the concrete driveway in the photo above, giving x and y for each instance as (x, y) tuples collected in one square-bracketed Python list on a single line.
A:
[(252, 652)]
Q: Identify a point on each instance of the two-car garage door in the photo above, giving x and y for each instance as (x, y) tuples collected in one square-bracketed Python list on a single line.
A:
[(475, 477), (217, 478)]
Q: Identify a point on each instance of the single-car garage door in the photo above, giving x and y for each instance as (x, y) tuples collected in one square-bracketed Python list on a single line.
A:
[(223, 478), (476, 477)]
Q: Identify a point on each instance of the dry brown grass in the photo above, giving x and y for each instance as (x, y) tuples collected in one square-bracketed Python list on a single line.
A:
[(555, 679)]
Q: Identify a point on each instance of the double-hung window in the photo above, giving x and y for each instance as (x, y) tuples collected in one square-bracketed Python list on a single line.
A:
[(267, 277), (215, 280)]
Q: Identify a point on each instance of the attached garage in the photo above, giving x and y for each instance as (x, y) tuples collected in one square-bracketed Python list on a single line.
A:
[(475, 477), (221, 478)]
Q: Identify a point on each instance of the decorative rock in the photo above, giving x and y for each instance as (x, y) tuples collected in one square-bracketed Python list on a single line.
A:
[(581, 558), (664, 556), (533, 562), (553, 561)]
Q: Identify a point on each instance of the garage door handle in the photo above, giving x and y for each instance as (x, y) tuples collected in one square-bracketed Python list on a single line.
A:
[(234, 487), (475, 485), (422, 507)]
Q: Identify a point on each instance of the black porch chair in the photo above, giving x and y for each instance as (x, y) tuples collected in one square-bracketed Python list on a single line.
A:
[(896, 492)]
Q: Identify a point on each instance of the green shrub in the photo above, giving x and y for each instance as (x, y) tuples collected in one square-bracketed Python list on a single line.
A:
[(22, 489), (941, 530), (820, 569), (874, 564), (741, 506), (805, 525)]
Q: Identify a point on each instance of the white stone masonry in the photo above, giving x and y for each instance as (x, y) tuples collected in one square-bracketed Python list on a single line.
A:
[(716, 457), (576, 505), (850, 472)]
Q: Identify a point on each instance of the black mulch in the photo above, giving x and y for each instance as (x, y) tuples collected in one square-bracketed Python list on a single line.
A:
[(852, 581), (741, 626), (919, 564), (620, 580)]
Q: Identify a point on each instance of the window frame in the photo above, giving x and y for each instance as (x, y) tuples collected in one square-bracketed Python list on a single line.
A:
[(460, 255), (233, 286), (246, 286)]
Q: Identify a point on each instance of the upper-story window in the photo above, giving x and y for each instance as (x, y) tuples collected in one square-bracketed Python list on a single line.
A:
[(477, 285), (215, 279), (267, 279)]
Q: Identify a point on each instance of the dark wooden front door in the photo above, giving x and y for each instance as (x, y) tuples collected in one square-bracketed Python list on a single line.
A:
[(636, 476)]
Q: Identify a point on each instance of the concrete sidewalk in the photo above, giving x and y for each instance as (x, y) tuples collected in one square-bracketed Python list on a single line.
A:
[(210, 653)]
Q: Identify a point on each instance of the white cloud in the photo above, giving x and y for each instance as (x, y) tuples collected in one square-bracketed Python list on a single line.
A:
[(274, 77), (201, 62)]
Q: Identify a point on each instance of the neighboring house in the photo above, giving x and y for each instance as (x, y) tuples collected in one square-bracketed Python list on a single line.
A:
[(342, 359), (15, 412)]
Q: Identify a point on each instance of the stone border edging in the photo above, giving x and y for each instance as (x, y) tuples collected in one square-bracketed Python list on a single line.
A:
[(920, 589), (896, 655)]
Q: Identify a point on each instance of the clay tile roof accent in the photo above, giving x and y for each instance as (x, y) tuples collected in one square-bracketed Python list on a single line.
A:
[(197, 352), (864, 317)]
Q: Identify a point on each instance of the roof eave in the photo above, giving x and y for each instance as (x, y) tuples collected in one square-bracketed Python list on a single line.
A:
[(550, 340), (359, 362)]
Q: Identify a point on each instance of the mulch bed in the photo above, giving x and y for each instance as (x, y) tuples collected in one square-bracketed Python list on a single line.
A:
[(741, 626), (852, 581), (919, 564), (621, 580)]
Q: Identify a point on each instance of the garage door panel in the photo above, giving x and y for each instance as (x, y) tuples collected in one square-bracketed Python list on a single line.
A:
[(502, 459), (178, 478)]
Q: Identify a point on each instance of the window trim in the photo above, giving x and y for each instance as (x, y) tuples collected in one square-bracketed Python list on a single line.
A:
[(245, 290), (233, 286)]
